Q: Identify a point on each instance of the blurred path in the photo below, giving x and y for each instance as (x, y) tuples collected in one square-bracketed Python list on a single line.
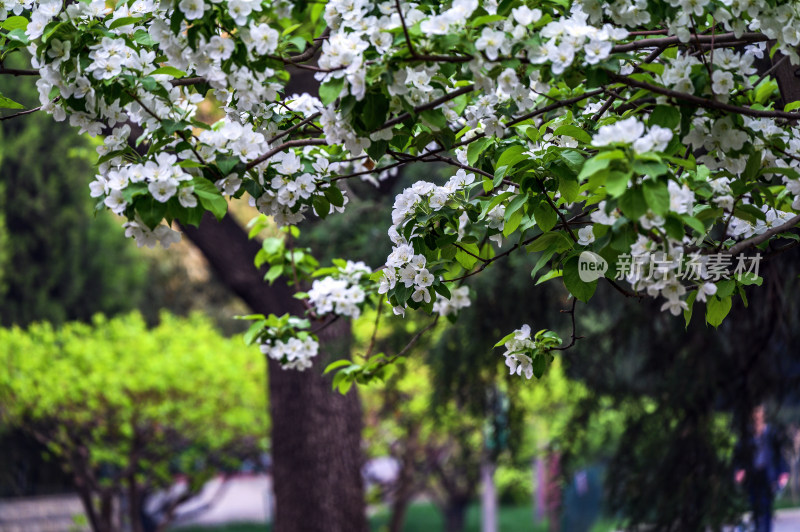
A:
[(787, 520), (243, 498)]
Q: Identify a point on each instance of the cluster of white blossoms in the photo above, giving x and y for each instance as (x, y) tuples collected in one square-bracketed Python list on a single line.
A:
[(406, 80), (403, 265), (568, 36), (144, 236), (518, 352), (740, 228), (343, 294), (427, 196), (729, 66), (293, 353), (162, 176), (459, 298), (632, 131)]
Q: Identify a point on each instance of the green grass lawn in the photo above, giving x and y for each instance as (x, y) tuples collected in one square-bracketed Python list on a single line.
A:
[(420, 517)]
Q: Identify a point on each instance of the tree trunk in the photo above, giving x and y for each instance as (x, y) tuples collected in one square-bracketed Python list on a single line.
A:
[(455, 514), (399, 509), (316, 432), (488, 497)]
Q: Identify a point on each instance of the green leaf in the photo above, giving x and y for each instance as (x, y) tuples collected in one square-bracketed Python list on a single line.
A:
[(598, 163), (512, 223), (649, 167), (511, 156), (717, 309), (143, 37), (694, 223), (335, 365), (150, 210), (18, 35), (792, 106), (290, 29), (574, 132), (496, 201), (753, 166), (546, 256), (505, 339), (210, 197), (272, 246), (253, 331), (544, 215), (569, 189), (15, 23), (321, 205), (515, 204), (572, 280), (171, 126), (334, 195), (538, 364), (617, 182), (656, 194), (475, 149), (687, 314), (374, 110), (665, 116), (226, 164), (486, 19), (466, 260), (169, 71), (330, 90), (8, 103), (633, 204), (273, 273), (125, 21), (674, 227), (434, 119), (442, 290), (725, 288)]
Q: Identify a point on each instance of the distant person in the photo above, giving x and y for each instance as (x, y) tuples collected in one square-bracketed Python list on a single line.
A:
[(761, 467)]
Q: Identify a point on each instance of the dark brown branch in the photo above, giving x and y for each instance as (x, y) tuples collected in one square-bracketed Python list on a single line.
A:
[(18, 71), (702, 102), (294, 128), (571, 312), (285, 145), (430, 105), (722, 38), (187, 81), (621, 290), (758, 239)]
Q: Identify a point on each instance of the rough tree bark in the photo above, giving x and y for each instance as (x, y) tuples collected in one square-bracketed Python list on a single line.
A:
[(316, 432)]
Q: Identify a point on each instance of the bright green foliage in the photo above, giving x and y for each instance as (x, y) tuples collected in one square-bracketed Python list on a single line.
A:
[(142, 404)]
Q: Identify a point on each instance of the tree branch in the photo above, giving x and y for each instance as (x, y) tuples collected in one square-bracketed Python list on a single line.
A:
[(672, 41), (758, 239), (702, 102), (288, 144)]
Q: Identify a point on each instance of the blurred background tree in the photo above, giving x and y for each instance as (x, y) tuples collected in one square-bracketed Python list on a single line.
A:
[(684, 394), (124, 408), (58, 262)]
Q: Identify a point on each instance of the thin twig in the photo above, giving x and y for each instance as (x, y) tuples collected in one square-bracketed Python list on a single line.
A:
[(281, 147), (571, 312), (294, 127), (21, 113)]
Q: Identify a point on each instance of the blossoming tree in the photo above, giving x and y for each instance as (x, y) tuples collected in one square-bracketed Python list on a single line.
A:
[(653, 140)]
